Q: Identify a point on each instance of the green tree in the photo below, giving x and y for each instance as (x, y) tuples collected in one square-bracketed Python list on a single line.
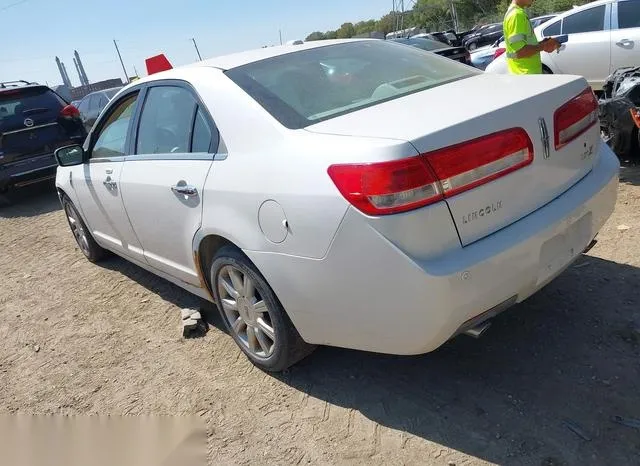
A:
[(317, 35), (386, 24), (346, 31)]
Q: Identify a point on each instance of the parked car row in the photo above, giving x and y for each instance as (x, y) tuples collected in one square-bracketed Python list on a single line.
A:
[(603, 37)]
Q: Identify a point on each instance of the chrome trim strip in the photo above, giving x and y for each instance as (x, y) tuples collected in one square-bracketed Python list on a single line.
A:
[(30, 128), (108, 159), (176, 156), (33, 171)]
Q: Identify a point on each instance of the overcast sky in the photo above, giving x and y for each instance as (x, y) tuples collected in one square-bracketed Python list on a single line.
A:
[(34, 32)]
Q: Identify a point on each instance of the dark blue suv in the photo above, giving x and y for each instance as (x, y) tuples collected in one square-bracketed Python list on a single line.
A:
[(34, 121)]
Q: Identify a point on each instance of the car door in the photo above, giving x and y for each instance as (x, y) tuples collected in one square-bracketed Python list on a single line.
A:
[(96, 182), (625, 34), (163, 181), (587, 52)]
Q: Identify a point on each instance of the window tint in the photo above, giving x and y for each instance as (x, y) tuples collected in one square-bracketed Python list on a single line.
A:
[(585, 21), (553, 30), (201, 134), (629, 14), (165, 123), (113, 134), (308, 86)]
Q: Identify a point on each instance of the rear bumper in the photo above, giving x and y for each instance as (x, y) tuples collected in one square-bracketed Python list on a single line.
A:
[(368, 294), (28, 171)]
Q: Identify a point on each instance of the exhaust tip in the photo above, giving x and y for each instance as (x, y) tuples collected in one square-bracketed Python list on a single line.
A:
[(478, 330)]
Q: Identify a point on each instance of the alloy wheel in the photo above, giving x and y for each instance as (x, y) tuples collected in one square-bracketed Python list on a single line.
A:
[(77, 228), (247, 313)]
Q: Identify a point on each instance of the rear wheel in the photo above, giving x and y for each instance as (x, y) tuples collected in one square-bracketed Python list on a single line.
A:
[(252, 313), (472, 46), (86, 243), (546, 70)]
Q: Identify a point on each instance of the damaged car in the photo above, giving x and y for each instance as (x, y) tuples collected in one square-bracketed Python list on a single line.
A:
[(619, 112)]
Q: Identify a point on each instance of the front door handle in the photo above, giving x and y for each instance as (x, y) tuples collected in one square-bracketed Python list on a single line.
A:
[(624, 43), (109, 183), (185, 189)]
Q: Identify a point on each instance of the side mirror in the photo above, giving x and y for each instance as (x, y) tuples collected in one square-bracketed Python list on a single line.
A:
[(69, 156)]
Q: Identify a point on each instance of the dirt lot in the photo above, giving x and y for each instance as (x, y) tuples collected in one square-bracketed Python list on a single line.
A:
[(540, 387)]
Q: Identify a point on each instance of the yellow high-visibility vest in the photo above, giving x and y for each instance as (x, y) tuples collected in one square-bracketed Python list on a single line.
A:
[(518, 33)]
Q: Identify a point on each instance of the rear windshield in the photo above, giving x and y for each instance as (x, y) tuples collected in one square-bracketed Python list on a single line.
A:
[(22, 103), (309, 86)]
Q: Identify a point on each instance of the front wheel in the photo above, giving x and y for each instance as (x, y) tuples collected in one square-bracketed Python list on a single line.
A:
[(86, 243), (472, 46), (252, 313)]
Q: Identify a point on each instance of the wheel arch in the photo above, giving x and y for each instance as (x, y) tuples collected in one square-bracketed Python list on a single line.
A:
[(205, 247)]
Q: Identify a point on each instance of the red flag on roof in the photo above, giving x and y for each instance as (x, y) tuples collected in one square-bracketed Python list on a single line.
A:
[(157, 64)]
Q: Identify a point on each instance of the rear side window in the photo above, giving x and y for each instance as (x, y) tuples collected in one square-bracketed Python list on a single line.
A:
[(629, 14), (553, 30), (165, 122), (27, 102), (309, 86), (585, 21)]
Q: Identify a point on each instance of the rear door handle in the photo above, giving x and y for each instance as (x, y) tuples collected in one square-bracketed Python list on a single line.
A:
[(185, 189), (624, 43)]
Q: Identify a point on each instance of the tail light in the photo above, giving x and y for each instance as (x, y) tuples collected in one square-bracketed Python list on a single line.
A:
[(575, 117), (387, 187), (407, 184), (635, 116), (499, 51), (70, 112)]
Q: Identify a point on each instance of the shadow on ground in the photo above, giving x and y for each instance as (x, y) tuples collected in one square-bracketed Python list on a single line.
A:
[(630, 173), (31, 201), (165, 289), (540, 387)]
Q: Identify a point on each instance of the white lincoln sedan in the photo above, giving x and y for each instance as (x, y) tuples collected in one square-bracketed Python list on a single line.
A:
[(356, 193)]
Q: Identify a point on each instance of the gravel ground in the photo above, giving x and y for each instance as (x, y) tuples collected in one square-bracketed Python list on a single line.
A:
[(541, 387)]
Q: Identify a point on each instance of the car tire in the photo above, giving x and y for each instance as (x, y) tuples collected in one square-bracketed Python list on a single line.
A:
[(253, 314), (81, 233), (546, 70), (472, 46)]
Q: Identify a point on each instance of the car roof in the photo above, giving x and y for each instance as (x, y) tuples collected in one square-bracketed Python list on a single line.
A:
[(26, 86)]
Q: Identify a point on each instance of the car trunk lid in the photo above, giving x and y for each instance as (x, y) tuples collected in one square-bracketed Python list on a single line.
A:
[(471, 109)]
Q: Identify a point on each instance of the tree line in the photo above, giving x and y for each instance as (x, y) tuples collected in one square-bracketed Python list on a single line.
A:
[(437, 15)]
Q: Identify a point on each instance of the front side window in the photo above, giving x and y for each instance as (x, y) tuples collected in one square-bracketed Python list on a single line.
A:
[(165, 122), (309, 86), (113, 133), (629, 14), (585, 21)]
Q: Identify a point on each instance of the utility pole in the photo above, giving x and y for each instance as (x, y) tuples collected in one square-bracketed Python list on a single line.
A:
[(280, 32), (126, 75), (196, 46)]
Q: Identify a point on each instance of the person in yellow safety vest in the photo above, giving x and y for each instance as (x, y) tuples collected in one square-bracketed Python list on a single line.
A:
[(522, 46)]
